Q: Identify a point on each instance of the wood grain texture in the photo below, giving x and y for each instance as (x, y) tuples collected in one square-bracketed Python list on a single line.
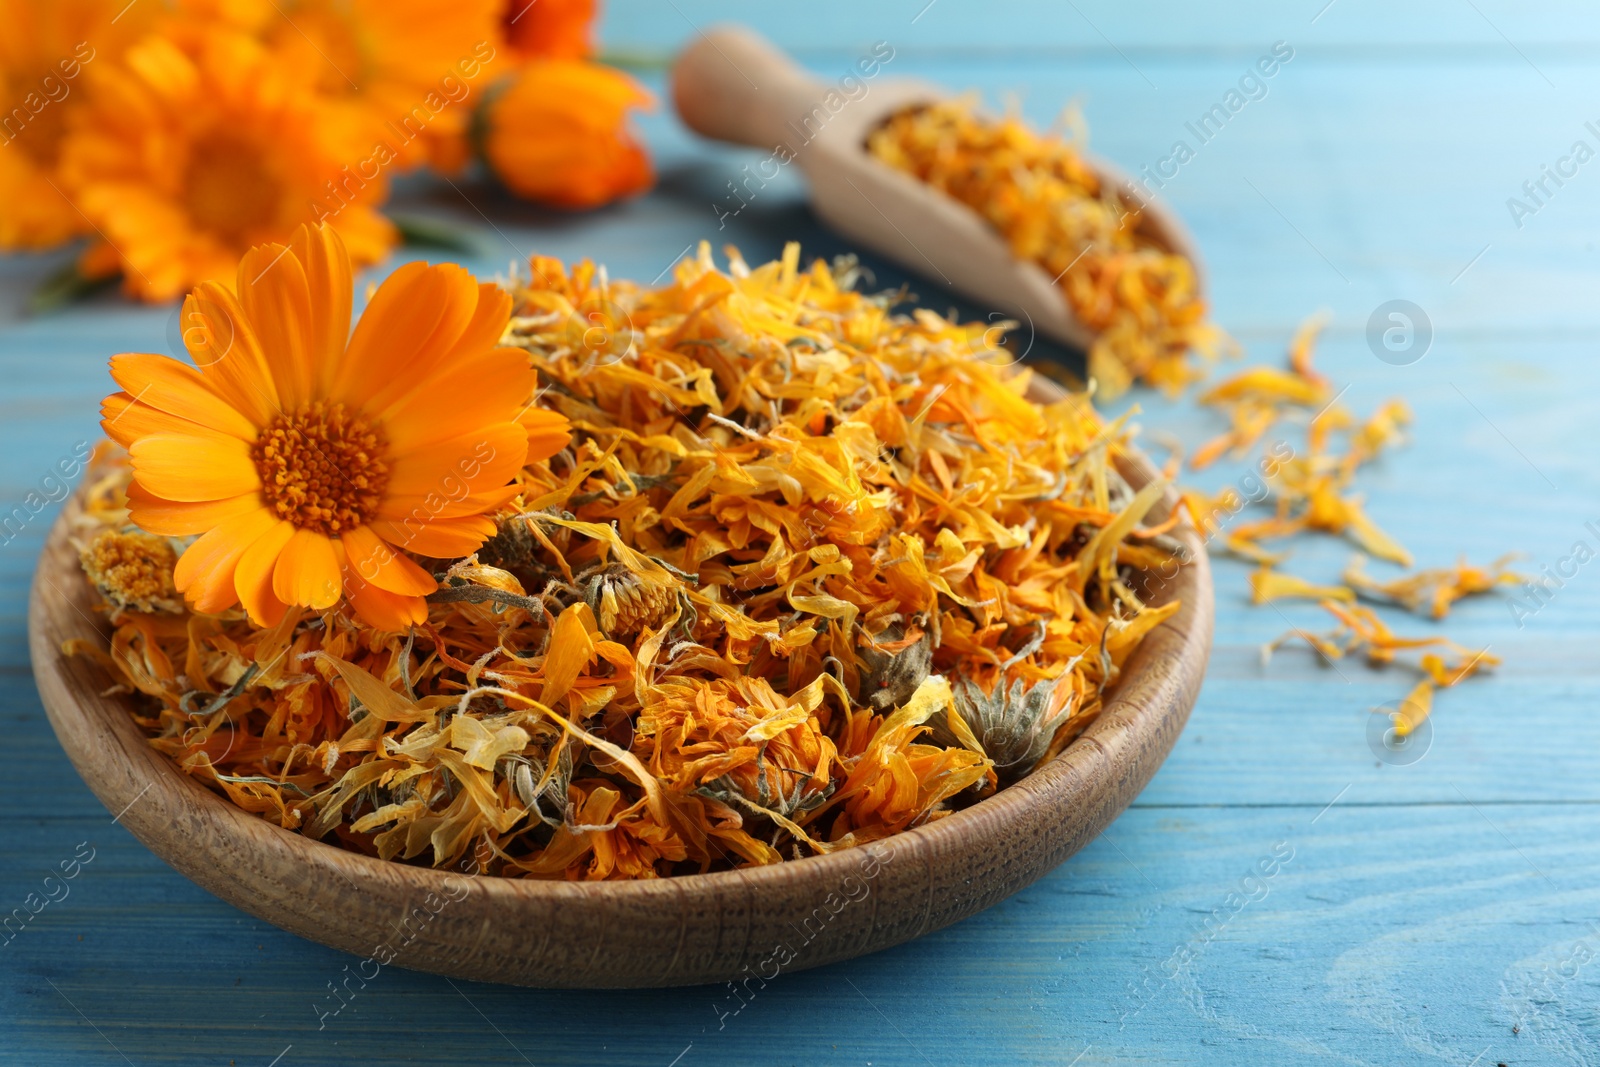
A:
[(716, 927)]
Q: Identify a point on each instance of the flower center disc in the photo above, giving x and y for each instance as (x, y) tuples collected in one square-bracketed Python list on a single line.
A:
[(321, 468), (228, 187), (40, 136)]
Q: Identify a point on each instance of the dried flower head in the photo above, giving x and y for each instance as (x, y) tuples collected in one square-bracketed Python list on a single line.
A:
[(894, 664), (1014, 723), (625, 602), (132, 570)]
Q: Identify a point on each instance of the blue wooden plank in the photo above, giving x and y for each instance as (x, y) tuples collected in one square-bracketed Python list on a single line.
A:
[(1162, 943), (957, 28)]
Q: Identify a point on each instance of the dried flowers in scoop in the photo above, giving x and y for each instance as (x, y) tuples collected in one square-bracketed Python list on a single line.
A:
[(1142, 300)]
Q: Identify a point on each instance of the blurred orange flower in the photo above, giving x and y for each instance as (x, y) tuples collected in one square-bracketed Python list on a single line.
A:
[(44, 53), (558, 134), (202, 143), (308, 463), (403, 70), (551, 29)]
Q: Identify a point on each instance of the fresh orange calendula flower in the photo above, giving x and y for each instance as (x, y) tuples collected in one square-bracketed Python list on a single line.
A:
[(44, 54), (550, 29), (559, 134), (201, 143), (309, 464), (404, 72)]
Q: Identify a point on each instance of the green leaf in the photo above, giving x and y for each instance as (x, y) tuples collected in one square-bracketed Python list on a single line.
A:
[(638, 62), (421, 232), (66, 286)]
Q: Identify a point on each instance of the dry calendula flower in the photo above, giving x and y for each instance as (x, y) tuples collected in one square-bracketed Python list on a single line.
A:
[(1432, 592), (1362, 632), (1013, 726), (791, 570), (1142, 300), (625, 602), (133, 570)]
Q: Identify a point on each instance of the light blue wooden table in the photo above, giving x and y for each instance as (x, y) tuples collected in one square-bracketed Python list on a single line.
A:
[(1447, 911)]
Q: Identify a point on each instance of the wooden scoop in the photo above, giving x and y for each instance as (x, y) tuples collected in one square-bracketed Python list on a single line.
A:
[(732, 85)]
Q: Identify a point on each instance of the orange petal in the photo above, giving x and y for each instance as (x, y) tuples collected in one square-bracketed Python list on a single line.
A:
[(440, 539), (548, 432), (386, 611), (252, 579), (277, 304), (125, 420), (483, 459), (369, 559), (307, 571), (571, 650), (184, 468), (171, 518), (327, 265), (220, 341), (435, 506), (204, 573), (179, 390), (488, 323), (413, 320), (502, 381)]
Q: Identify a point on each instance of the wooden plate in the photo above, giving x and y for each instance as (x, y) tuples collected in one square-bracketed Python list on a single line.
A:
[(674, 931)]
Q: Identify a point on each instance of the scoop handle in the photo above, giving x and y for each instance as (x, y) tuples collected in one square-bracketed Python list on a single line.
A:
[(733, 85)]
